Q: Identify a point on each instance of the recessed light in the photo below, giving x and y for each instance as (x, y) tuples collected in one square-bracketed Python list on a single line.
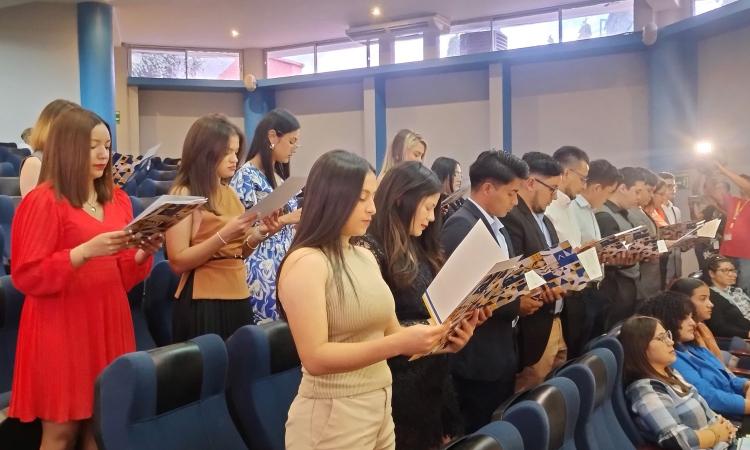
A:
[(375, 11), (235, 33)]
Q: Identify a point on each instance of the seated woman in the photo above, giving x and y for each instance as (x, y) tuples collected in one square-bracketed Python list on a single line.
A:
[(702, 310), (667, 410), (724, 392), (731, 315)]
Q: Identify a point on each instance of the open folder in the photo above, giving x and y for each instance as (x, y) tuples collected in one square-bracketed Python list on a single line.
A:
[(165, 212)]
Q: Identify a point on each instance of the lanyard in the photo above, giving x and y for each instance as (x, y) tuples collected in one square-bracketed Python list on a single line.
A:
[(737, 211)]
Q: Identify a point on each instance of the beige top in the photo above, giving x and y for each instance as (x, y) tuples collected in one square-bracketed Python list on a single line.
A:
[(223, 276), (355, 319)]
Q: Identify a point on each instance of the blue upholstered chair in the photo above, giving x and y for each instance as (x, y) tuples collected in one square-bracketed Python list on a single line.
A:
[(153, 188), (169, 398), (161, 286), (264, 375), (493, 436)]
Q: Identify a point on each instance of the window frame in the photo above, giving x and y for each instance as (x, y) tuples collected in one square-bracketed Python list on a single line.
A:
[(184, 50)]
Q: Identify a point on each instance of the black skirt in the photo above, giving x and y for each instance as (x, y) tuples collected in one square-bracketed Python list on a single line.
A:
[(192, 318)]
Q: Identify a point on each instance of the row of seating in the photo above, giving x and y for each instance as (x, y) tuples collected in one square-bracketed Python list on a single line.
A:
[(11, 158)]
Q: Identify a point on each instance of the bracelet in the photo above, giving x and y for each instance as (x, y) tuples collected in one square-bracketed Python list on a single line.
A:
[(248, 245), (262, 235), (221, 238)]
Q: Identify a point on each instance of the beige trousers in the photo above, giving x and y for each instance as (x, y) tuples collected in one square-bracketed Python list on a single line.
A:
[(554, 356), (359, 422)]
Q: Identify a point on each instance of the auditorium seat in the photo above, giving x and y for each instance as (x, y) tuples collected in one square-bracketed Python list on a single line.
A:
[(11, 301), (7, 209), (493, 436), (169, 398), (264, 375), (602, 428), (172, 161), (8, 156), (9, 185), (546, 417), (143, 338), (7, 170), (153, 188), (619, 403), (137, 205), (158, 300), (161, 175)]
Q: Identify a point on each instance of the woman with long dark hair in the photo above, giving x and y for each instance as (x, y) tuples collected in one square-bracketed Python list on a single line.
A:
[(731, 315), (274, 142), (448, 171), (208, 247), (700, 297), (405, 239), (342, 315), (75, 265), (668, 411)]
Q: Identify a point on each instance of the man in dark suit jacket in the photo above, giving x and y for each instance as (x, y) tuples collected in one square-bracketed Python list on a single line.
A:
[(484, 371), (541, 343)]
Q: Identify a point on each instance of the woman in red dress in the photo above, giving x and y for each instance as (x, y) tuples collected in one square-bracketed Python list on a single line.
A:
[(75, 264)]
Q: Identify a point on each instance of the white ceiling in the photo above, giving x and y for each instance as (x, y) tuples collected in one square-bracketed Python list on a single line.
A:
[(272, 23)]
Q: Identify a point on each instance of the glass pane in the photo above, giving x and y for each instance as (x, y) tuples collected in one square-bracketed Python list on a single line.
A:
[(156, 63), (293, 61), (374, 53), (605, 19), (469, 38), (701, 6), (528, 31), (409, 49), (213, 65), (345, 55)]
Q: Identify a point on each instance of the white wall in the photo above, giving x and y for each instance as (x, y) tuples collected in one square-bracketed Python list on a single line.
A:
[(724, 96), (330, 117), (38, 61), (166, 116), (451, 112), (597, 103)]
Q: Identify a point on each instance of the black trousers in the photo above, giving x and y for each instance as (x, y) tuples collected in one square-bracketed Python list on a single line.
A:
[(617, 300), (479, 399)]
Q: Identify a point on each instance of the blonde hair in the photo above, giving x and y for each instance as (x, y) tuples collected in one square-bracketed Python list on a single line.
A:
[(403, 140), (40, 131)]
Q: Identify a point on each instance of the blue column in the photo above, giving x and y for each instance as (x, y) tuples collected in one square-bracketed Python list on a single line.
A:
[(507, 113), (256, 105), (673, 102), (381, 133), (96, 61)]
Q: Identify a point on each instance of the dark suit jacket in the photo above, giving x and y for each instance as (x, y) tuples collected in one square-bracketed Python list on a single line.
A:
[(726, 319), (528, 239), (491, 353)]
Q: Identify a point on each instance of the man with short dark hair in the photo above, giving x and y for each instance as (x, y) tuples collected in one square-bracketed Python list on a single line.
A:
[(575, 164), (650, 280), (484, 371), (618, 288), (672, 266), (541, 343)]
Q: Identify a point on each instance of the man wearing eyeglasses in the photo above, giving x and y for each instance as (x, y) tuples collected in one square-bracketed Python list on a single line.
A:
[(673, 214), (541, 342)]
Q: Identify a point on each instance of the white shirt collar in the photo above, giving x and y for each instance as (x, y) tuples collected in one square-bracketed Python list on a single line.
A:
[(491, 219), (582, 202)]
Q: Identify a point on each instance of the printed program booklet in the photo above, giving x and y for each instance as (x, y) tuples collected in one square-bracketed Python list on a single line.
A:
[(165, 212)]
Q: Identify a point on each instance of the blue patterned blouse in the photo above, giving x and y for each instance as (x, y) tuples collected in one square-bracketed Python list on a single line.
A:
[(252, 186)]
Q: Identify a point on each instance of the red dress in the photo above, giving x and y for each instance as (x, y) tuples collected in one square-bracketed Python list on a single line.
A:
[(74, 321)]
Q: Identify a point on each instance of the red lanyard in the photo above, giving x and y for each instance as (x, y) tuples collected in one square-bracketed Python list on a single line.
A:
[(737, 211)]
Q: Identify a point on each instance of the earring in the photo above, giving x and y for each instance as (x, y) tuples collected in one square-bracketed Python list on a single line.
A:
[(272, 145)]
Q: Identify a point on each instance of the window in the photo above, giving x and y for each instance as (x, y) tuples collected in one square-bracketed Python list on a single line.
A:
[(528, 31), (409, 48), (466, 39), (342, 56), (701, 6), (293, 61), (157, 63), (182, 64), (374, 53), (604, 19)]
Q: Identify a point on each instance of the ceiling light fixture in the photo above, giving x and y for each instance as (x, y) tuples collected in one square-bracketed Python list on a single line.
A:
[(375, 11), (235, 33)]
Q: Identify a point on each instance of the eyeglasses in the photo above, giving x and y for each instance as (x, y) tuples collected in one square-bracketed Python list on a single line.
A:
[(665, 337), (552, 189), (583, 178), (727, 270)]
